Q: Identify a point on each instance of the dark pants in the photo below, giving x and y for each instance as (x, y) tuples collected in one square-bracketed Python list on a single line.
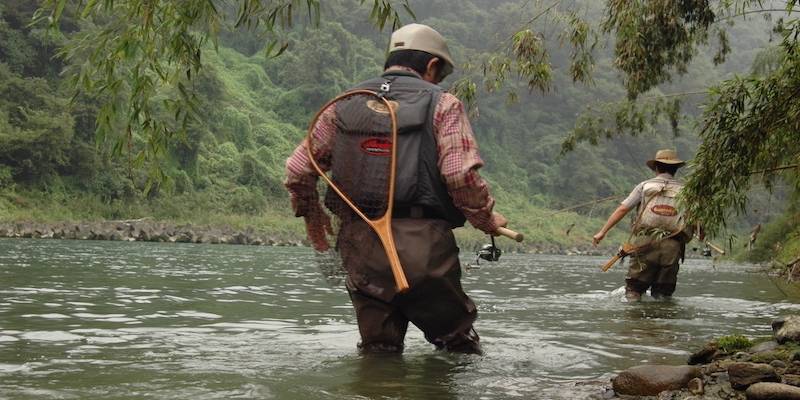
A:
[(656, 269), (435, 303)]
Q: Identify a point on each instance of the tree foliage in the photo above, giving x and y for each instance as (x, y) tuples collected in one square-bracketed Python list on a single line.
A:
[(750, 129), (141, 57), (653, 37), (36, 129)]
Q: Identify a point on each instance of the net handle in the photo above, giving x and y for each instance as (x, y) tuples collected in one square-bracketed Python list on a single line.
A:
[(383, 225)]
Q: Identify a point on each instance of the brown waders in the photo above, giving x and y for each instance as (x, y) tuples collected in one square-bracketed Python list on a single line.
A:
[(656, 268), (436, 302)]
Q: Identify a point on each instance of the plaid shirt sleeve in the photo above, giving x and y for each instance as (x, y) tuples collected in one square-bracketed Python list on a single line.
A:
[(301, 177), (459, 162)]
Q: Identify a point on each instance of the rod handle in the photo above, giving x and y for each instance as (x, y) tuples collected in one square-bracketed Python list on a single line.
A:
[(510, 234)]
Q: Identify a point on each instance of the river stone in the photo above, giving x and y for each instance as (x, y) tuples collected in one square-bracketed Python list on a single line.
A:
[(791, 379), (704, 355), (787, 329), (744, 374), (718, 366), (696, 386), (772, 391), (778, 364), (650, 380), (764, 347)]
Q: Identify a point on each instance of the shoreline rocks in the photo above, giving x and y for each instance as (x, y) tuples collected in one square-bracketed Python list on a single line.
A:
[(764, 371), (149, 230), (144, 230)]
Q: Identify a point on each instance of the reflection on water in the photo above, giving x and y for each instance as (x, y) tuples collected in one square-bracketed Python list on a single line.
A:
[(142, 320)]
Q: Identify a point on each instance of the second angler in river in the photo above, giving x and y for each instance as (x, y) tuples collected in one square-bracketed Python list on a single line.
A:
[(660, 231)]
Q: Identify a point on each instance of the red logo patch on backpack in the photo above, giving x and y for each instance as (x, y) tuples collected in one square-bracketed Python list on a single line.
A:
[(377, 147)]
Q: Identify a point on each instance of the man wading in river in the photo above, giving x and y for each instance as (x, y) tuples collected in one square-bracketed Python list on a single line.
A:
[(446, 191), (659, 234)]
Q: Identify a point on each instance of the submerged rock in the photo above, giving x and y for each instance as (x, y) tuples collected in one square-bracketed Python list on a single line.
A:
[(650, 380)]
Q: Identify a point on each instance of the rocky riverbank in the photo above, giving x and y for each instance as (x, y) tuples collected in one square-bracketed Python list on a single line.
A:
[(144, 230), (149, 230), (731, 368)]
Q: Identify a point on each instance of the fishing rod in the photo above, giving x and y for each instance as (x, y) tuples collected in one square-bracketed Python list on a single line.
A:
[(584, 204)]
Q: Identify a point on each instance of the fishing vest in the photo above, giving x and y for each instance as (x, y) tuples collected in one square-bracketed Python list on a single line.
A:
[(418, 181), (659, 208)]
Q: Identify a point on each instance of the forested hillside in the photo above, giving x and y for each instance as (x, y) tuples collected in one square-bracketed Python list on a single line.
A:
[(254, 109)]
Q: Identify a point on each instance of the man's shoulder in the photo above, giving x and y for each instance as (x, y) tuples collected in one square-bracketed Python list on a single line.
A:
[(662, 179), (448, 101)]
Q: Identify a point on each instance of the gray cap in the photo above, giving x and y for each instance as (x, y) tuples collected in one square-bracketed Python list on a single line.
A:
[(423, 38)]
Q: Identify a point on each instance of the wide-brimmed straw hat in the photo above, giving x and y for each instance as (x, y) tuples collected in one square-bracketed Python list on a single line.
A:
[(665, 156)]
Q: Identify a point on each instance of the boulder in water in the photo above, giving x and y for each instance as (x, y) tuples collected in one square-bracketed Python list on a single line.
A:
[(650, 380)]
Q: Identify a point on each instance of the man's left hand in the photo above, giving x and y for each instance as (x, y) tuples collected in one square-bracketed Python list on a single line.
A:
[(318, 226)]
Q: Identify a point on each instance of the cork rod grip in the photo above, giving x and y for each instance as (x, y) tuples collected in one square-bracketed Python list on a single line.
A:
[(510, 234)]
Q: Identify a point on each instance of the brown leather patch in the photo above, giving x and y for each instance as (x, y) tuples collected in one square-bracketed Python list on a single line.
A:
[(664, 210), (380, 106)]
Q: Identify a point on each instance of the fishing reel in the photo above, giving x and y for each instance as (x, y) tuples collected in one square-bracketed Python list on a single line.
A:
[(705, 251), (488, 252)]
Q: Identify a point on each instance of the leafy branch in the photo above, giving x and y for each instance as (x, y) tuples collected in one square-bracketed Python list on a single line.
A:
[(750, 124), (524, 56), (140, 59)]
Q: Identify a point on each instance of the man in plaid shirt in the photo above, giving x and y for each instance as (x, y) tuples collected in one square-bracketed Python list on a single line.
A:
[(418, 60)]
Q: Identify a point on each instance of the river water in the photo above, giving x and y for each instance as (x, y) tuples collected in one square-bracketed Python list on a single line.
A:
[(115, 320)]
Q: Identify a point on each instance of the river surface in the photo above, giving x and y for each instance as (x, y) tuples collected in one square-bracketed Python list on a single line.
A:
[(116, 320)]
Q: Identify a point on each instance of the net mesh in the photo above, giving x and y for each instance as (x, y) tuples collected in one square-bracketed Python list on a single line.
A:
[(351, 141)]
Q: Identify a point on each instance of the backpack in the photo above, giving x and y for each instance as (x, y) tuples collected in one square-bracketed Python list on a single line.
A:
[(658, 210)]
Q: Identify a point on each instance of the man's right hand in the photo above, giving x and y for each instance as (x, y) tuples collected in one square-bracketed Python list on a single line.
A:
[(318, 226), (498, 220)]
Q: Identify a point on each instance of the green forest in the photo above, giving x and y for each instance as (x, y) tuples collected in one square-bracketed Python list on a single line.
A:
[(253, 107)]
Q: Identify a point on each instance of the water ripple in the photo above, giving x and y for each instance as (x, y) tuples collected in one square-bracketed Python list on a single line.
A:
[(143, 320)]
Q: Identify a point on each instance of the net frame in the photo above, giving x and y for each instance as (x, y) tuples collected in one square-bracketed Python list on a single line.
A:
[(382, 226)]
